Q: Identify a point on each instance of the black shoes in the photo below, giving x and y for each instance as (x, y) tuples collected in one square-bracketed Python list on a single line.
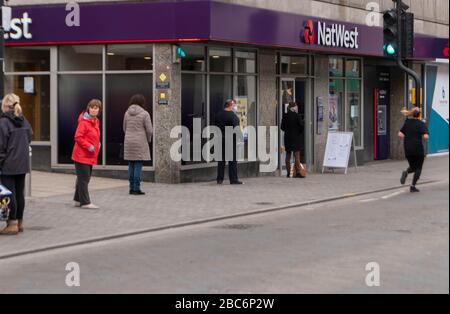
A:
[(237, 182), (403, 178), (137, 192), (413, 189), (219, 181)]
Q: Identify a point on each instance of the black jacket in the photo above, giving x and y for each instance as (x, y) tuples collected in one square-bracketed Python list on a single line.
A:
[(15, 138), (292, 126), (414, 129), (224, 119)]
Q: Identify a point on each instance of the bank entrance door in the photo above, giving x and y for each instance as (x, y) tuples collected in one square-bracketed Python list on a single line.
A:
[(296, 90)]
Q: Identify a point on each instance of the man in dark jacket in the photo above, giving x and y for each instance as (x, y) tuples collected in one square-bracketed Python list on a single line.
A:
[(15, 138), (225, 118), (292, 126)]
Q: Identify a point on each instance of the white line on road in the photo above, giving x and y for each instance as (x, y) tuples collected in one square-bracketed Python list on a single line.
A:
[(368, 200), (392, 195)]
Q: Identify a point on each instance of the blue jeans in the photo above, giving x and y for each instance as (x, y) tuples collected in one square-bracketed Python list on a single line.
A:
[(134, 175)]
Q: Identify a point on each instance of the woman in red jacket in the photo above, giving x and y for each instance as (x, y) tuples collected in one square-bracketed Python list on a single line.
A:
[(85, 151)]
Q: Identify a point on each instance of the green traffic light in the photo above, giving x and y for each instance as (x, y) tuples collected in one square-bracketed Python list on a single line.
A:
[(390, 49), (181, 52)]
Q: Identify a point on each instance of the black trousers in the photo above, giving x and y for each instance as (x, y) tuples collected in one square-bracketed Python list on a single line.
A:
[(232, 171), (16, 184), (84, 173), (415, 165)]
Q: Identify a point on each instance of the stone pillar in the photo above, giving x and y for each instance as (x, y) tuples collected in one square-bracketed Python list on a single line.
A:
[(166, 116), (321, 86), (398, 101), (267, 110)]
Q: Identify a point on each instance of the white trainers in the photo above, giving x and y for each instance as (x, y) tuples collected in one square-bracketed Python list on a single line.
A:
[(90, 206)]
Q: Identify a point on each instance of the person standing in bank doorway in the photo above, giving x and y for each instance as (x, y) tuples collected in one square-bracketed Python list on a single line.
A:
[(15, 138), (413, 132), (292, 126), (228, 118), (137, 125), (85, 152)]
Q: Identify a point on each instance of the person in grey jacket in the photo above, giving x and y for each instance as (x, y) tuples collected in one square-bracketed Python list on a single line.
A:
[(138, 129), (15, 138)]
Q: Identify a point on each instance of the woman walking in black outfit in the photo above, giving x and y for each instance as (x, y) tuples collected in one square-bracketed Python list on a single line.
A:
[(412, 133)]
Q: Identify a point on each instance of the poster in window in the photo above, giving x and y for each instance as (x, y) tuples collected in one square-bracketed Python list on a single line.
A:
[(242, 111), (28, 85), (334, 114)]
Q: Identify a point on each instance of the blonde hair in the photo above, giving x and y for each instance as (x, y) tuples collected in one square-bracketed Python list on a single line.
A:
[(11, 102), (415, 112)]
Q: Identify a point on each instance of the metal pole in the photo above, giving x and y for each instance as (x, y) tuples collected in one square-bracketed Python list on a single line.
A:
[(409, 71), (28, 177)]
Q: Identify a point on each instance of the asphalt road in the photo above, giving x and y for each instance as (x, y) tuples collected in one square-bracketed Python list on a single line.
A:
[(317, 249)]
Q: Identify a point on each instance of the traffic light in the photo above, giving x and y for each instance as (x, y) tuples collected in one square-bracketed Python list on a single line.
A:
[(390, 33), (177, 54)]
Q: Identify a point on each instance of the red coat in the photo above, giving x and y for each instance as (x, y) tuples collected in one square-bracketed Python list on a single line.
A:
[(87, 134)]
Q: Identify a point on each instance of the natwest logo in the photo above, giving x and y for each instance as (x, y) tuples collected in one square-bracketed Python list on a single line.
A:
[(337, 35), (309, 36), (20, 28)]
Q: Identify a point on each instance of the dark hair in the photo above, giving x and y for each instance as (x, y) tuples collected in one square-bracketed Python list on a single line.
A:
[(228, 103), (292, 105), (416, 114), (137, 99)]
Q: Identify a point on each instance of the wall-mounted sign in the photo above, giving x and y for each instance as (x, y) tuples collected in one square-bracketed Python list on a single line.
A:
[(163, 97), (28, 85), (162, 82), (334, 35), (320, 114), (19, 28)]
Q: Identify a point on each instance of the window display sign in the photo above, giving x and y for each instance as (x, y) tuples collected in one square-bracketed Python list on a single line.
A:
[(337, 151), (320, 113), (28, 85), (242, 111), (334, 114)]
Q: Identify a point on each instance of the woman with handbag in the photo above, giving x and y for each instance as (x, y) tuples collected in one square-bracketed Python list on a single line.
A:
[(138, 129), (15, 138), (86, 151)]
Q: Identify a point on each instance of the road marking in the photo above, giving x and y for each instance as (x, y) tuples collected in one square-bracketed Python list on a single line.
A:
[(392, 195), (368, 200)]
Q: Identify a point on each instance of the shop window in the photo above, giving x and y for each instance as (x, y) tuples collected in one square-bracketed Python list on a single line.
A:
[(195, 58), (27, 59), (336, 66), (34, 93), (336, 105), (294, 65), (119, 89), (80, 58), (352, 68), (193, 99), (74, 92), (354, 109), (129, 57), (219, 91), (220, 60), (245, 62)]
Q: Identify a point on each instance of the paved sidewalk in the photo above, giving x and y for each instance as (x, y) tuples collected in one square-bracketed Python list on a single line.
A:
[(53, 221)]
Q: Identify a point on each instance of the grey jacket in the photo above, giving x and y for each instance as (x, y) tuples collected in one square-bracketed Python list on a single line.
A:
[(15, 138), (138, 129)]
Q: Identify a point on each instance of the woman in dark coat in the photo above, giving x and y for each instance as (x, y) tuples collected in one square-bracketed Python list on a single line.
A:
[(413, 132), (292, 126)]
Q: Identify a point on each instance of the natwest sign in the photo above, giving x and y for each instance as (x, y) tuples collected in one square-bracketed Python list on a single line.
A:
[(20, 28), (331, 35)]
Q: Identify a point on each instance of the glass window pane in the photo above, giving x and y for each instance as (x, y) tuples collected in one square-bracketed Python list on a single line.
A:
[(245, 62), (352, 68), (34, 93), (220, 91), (74, 92), (336, 105), (294, 65), (246, 102), (129, 57), (80, 58), (195, 58), (336, 66), (193, 106), (220, 60), (354, 109), (27, 59), (119, 89)]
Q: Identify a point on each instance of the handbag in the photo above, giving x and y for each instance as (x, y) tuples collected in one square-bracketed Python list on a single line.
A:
[(5, 199), (302, 172)]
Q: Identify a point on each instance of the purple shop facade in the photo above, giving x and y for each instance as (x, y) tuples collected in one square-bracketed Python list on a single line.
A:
[(203, 21)]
